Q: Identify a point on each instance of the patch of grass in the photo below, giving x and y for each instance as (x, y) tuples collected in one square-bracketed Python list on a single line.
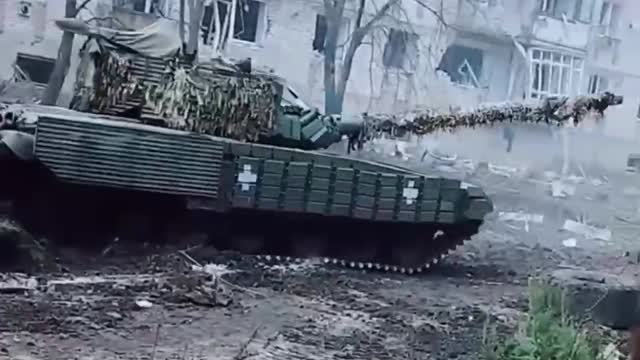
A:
[(547, 333)]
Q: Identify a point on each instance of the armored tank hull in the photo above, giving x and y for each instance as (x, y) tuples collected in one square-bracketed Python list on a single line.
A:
[(95, 178), (107, 178)]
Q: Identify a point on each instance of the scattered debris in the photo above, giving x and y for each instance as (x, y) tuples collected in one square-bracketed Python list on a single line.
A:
[(143, 304), (587, 231), (502, 170), (561, 190), (521, 217), (210, 295)]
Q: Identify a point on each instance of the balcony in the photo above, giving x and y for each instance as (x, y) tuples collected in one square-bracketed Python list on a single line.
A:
[(561, 31)]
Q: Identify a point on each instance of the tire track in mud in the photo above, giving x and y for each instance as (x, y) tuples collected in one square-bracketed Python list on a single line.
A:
[(330, 313)]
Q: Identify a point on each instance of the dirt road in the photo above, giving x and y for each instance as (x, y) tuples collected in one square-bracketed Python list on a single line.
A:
[(159, 307)]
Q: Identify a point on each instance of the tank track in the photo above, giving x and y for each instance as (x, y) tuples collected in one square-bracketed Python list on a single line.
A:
[(373, 265), (404, 248)]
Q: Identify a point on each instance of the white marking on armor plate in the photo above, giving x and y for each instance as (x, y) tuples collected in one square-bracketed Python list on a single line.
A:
[(409, 193), (247, 178)]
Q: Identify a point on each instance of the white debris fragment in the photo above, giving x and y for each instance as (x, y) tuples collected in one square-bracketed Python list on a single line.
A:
[(587, 231), (143, 304), (576, 179), (17, 282), (213, 269), (521, 217), (571, 242), (502, 170), (562, 190)]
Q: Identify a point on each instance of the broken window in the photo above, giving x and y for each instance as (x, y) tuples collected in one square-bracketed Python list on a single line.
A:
[(597, 84), (208, 24), (555, 74), (609, 18), (248, 24), (400, 49), (463, 64), (578, 10), (34, 68), (320, 35)]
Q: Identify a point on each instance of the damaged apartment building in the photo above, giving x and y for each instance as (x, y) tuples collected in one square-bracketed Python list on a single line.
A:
[(481, 50), (526, 49)]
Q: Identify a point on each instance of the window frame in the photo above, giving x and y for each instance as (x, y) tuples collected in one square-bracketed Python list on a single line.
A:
[(208, 31), (572, 64), (550, 8), (410, 46), (51, 63), (343, 36)]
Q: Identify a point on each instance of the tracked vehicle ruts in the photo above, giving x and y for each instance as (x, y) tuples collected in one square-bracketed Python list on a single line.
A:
[(234, 160)]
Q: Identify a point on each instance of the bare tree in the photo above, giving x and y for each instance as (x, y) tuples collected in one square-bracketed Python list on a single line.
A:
[(63, 61), (196, 9), (365, 26), (334, 13)]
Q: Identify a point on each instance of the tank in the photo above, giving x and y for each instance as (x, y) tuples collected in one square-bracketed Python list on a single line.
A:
[(237, 161)]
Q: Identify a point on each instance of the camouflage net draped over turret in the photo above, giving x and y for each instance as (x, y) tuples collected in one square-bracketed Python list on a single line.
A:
[(239, 106), (552, 111), (203, 98), (113, 82)]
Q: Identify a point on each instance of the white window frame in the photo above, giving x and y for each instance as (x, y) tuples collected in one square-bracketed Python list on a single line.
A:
[(548, 7), (597, 84), (343, 38), (566, 66), (261, 24), (473, 79), (609, 16)]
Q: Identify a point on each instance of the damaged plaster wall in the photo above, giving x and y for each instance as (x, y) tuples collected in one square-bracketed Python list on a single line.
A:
[(285, 39), (28, 27)]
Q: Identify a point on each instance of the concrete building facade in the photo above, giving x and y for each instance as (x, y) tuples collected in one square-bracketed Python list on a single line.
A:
[(558, 47), (491, 50)]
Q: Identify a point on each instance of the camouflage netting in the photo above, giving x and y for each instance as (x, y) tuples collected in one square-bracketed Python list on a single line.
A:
[(113, 82), (552, 111), (202, 98), (239, 106)]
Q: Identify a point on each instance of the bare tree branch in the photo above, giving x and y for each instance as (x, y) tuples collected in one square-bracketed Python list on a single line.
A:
[(380, 14), (437, 14), (360, 14), (82, 6)]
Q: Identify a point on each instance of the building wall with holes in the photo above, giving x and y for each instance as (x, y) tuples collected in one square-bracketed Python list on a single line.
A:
[(285, 45), (612, 66), (27, 27)]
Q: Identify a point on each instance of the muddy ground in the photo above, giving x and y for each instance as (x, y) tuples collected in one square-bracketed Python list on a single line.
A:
[(154, 304)]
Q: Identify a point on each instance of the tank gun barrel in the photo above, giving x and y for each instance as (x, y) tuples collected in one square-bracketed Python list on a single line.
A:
[(551, 110)]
